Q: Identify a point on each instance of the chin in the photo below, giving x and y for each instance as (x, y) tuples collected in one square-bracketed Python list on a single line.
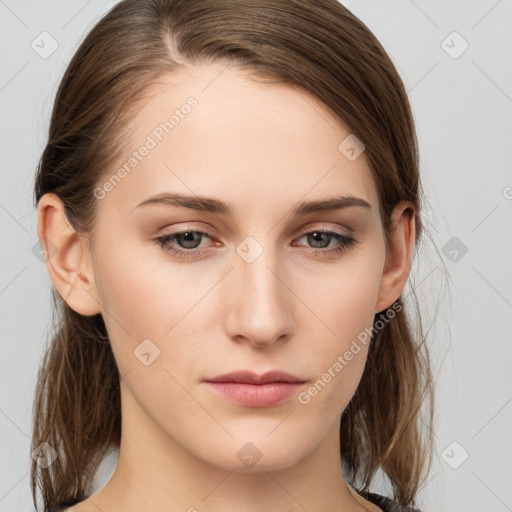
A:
[(258, 456)]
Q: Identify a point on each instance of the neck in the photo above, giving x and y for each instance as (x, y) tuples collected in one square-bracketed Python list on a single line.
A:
[(154, 472)]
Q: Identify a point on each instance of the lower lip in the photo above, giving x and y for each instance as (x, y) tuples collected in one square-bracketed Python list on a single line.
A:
[(256, 395)]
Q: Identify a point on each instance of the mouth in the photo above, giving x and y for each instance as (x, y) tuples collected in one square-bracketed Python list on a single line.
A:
[(253, 390)]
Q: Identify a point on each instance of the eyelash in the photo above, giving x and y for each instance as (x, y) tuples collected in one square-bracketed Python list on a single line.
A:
[(346, 241)]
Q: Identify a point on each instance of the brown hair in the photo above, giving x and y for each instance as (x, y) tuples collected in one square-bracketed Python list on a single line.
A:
[(318, 45)]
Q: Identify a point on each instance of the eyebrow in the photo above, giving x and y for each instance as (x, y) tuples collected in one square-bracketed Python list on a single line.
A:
[(207, 204)]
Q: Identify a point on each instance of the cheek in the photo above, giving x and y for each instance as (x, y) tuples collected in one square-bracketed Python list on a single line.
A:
[(150, 304), (346, 301), (126, 291), (130, 294), (346, 296)]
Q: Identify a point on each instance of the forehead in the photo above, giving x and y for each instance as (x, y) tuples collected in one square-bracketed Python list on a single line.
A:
[(212, 130)]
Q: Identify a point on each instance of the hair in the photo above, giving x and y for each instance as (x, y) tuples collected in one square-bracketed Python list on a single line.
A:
[(319, 46)]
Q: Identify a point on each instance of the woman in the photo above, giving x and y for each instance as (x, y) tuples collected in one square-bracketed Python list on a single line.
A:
[(229, 203)]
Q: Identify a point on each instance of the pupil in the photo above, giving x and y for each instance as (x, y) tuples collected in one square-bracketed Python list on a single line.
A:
[(189, 237), (317, 238)]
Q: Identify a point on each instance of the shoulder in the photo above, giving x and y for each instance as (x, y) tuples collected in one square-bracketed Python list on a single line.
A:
[(386, 504)]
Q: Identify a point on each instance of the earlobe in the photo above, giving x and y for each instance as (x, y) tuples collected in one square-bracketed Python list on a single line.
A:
[(399, 257), (67, 257)]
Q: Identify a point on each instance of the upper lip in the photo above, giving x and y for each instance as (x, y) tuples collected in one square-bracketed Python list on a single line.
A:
[(253, 378)]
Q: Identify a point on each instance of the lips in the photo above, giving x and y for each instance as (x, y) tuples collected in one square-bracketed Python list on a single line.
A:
[(253, 390), (253, 378)]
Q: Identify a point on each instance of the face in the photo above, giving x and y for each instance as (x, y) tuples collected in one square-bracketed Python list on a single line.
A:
[(251, 279)]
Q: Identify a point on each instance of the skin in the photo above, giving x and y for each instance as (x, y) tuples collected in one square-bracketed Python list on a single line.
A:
[(263, 148)]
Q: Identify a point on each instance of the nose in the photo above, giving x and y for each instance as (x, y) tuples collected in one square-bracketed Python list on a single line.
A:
[(260, 312)]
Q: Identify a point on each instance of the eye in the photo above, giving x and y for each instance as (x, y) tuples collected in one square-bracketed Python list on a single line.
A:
[(321, 239), (186, 244), (188, 240)]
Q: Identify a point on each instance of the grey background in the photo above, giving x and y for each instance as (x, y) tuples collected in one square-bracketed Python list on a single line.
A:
[(463, 109)]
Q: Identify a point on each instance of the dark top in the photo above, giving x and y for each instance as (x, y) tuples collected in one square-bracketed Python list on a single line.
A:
[(386, 504)]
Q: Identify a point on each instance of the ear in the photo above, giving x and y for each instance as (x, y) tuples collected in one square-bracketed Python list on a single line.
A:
[(67, 256), (399, 255)]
